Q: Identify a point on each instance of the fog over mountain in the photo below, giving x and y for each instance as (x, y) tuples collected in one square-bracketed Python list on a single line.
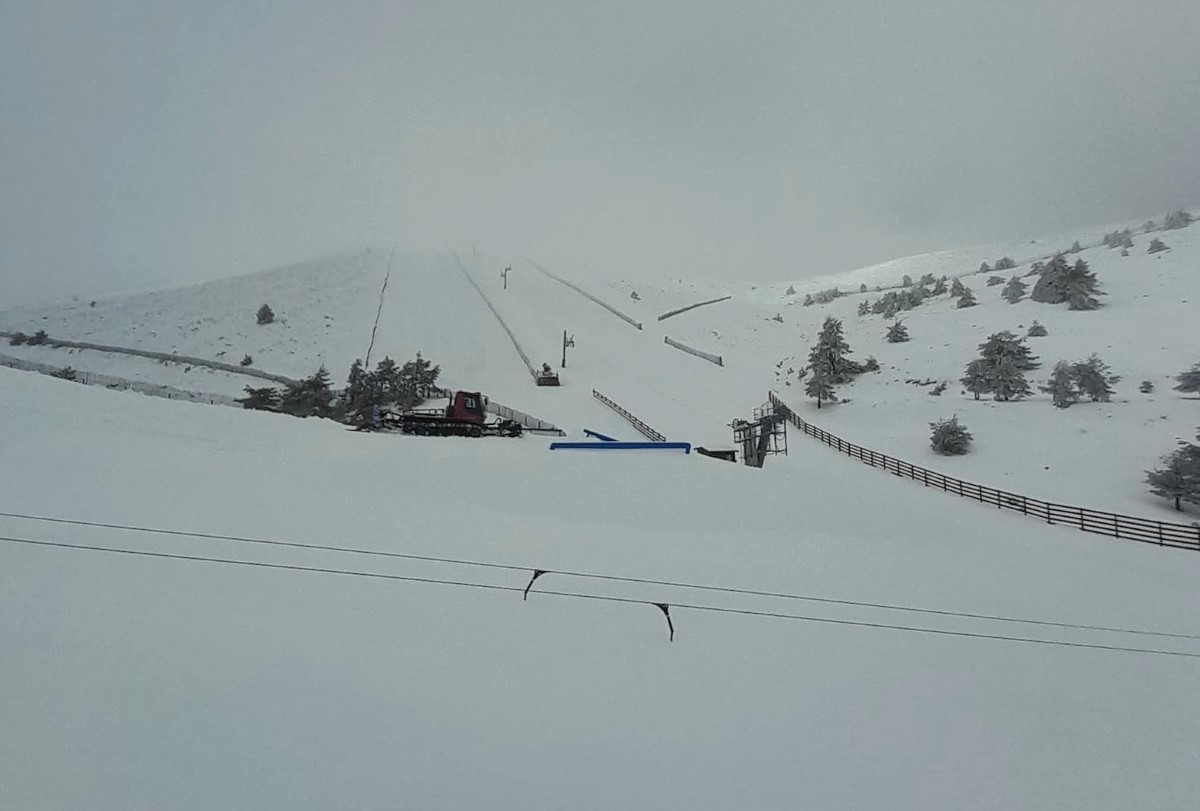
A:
[(154, 143)]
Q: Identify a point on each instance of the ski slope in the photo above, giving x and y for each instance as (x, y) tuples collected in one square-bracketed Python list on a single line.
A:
[(137, 682)]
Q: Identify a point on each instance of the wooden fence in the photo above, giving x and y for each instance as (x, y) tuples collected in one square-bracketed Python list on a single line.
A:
[(708, 356), (1162, 533), (642, 428)]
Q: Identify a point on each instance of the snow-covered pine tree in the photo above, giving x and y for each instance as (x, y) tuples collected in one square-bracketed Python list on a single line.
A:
[(265, 314), (1061, 386), (1156, 246), (978, 377), (1179, 478), (1004, 345), (864, 308), (818, 383), (897, 333), (906, 281), (957, 288), (1178, 219), (938, 288), (1014, 291), (1004, 263), (949, 437), (1188, 382), (995, 280), (1092, 378), (1051, 284), (1008, 382), (831, 349), (985, 268), (263, 399), (1080, 287), (1036, 330), (966, 299)]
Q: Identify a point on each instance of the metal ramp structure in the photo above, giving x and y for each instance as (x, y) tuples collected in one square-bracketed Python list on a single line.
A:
[(765, 436)]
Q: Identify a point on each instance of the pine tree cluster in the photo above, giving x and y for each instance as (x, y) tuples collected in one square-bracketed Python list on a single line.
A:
[(1119, 239), (1059, 281), (1178, 219), (1071, 381)]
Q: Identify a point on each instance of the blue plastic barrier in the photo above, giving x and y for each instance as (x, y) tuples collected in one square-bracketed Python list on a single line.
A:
[(598, 435), (686, 447)]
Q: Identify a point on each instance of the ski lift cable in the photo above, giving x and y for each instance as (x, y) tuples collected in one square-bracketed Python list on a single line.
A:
[(602, 598), (744, 592)]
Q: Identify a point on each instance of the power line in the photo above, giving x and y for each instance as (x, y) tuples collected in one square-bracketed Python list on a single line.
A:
[(605, 577), (599, 597)]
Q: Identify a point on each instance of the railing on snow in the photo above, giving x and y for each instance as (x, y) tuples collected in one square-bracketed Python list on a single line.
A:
[(1162, 533), (642, 428)]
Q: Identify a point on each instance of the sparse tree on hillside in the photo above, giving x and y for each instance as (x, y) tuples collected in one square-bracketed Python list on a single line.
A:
[(1036, 330), (1189, 381), (927, 280), (1008, 382), (1149, 226), (1147, 387), (897, 333), (949, 437), (1093, 379), (1014, 291), (864, 308), (995, 280), (791, 291), (830, 353), (967, 299), (38, 338), (1179, 479), (938, 288), (310, 397), (1075, 247), (957, 288), (1004, 345), (1004, 263), (1074, 284), (263, 399), (265, 314), (818, 383), (906, 281), (247, 360), (1061, 386), (862, 288), (808, 300), (1178, 219), (985, 268), (978, 378), (1156, 246)]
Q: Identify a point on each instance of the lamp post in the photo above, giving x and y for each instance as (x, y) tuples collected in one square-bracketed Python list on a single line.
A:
[(567, 342)]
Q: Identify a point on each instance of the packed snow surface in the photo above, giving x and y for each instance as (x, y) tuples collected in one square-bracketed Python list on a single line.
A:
[(142, 682)]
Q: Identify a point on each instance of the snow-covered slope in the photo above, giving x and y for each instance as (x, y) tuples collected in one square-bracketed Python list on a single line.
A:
[(132, 682), (1094, 455)]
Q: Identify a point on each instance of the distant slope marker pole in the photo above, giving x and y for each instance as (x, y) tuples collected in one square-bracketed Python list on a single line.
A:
[(379, 312)]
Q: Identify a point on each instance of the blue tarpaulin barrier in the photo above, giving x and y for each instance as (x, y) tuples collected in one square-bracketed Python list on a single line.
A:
[(686, 447)]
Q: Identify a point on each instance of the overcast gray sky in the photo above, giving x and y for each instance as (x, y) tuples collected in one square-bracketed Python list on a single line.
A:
[(145, 143)]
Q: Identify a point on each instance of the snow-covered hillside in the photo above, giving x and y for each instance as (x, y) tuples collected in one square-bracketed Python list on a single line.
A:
[(1093, 455), (141, 682)]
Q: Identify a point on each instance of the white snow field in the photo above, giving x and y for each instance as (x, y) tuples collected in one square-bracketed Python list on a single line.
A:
[(132, 681)]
